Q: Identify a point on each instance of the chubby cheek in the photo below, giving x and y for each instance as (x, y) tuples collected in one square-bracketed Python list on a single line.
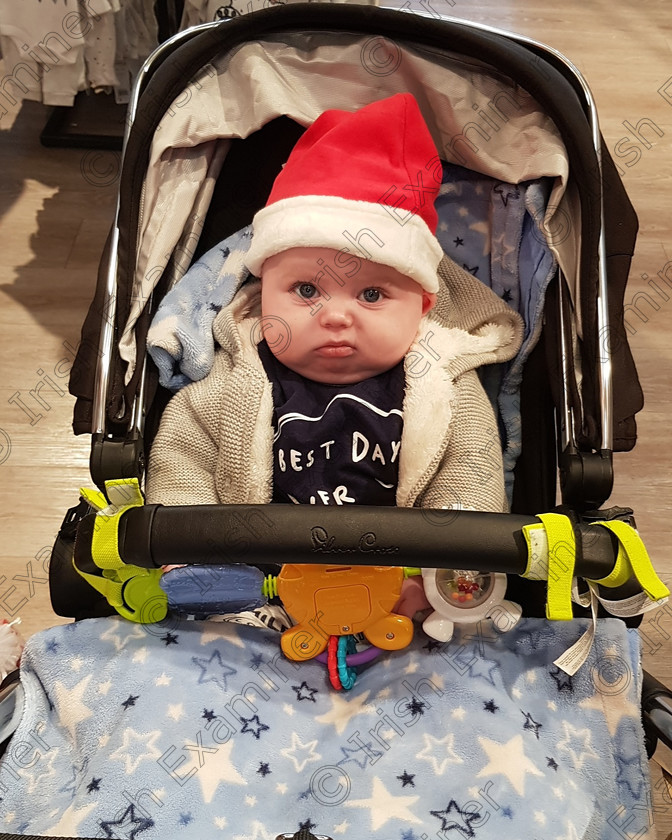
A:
[(396, 335)]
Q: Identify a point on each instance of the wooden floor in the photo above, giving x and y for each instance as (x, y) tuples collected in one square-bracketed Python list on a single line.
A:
[(56, 207)]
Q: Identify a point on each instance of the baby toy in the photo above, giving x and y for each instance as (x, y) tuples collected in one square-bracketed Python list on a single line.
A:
[(328, 601), (464, 597), (330, 605)]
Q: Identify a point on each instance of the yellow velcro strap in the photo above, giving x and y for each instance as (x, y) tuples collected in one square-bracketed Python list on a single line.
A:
[(109, 589), (622, 571), (634, 560), (95, 498), (134, 592), (561, 559), (123, 494)]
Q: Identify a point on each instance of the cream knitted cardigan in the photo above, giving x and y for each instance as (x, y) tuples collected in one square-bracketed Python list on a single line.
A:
[(215, 441)]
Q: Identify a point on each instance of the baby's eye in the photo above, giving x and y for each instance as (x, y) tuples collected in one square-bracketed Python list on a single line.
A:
[(371, 295), (307, 291)]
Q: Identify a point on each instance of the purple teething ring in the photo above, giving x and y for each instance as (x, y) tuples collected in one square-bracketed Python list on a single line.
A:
[(354, 659)]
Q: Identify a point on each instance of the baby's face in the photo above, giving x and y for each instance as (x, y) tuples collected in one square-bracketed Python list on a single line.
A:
[(333, 328)]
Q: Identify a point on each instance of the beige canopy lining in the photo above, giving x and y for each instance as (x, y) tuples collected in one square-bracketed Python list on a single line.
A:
[(477, 116)]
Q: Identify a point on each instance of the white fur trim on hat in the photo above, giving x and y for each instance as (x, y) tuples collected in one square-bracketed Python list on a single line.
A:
[(387, 235)]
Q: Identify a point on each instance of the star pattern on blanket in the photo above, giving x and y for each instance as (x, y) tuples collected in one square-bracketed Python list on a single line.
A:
[(135, 748), (254, 726), (301, 754), (362, 755), (454, 741), (343, 710), (476, 666), (76, 772), (121, 633), (170, 639), (213, 669), (416, 707), (70, 820), (304, 692), (439, 752), (70, 705), (128, 825), (630, 773), (613, 707), (384, 806), (43, 773), (562, 680), (577, 744), (531, 724), (455, 818), (508, 759)]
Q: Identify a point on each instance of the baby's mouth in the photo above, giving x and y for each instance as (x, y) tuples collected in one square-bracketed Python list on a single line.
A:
[(335, 350)]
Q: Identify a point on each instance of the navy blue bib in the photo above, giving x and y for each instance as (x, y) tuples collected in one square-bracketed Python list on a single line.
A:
[(335, 444)]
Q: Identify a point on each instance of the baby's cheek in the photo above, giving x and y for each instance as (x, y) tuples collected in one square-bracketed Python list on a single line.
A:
[(412, 598)]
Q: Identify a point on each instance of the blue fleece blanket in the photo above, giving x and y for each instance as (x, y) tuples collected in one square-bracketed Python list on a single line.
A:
[(201, 729)]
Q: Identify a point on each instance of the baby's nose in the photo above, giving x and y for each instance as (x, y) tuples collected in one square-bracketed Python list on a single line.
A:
[(336, 314)]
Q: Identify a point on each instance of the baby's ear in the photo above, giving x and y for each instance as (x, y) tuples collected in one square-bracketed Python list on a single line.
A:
[(428, 301)]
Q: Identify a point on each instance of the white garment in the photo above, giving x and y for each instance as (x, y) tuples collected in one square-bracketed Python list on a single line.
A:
[(48, 45), (100, 52), (137, 37), (52, 50)]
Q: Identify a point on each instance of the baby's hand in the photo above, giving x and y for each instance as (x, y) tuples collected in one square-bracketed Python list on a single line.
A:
[(412, 598)]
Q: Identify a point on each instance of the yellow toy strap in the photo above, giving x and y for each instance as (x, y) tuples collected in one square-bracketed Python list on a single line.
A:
[(94, 498), (109, 589), (551, 548), (561, 560), (134, 592), (632, 559)]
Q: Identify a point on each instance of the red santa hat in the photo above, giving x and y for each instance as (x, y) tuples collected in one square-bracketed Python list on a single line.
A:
[(364, 183)]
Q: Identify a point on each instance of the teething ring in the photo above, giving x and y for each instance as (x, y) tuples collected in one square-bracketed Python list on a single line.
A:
[(332, 662), (346, 645)]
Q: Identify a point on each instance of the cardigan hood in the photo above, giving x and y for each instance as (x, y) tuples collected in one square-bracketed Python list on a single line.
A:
[(215, 442), (468, 327)]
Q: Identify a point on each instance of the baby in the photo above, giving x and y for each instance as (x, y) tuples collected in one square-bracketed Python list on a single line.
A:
[(332, 383)]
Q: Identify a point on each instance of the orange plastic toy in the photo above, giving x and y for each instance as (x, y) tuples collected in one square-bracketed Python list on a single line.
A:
[(341, 600)]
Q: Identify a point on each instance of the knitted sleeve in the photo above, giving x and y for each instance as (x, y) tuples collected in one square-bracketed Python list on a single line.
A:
[(183, 458), (471, 473)]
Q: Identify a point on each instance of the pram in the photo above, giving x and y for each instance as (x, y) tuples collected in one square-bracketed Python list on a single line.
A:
[(120, 412)]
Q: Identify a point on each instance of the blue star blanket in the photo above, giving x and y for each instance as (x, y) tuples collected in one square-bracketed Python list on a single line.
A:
[(202, 729)]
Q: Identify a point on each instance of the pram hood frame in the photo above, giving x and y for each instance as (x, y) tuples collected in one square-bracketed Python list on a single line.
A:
[(590, 223)]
